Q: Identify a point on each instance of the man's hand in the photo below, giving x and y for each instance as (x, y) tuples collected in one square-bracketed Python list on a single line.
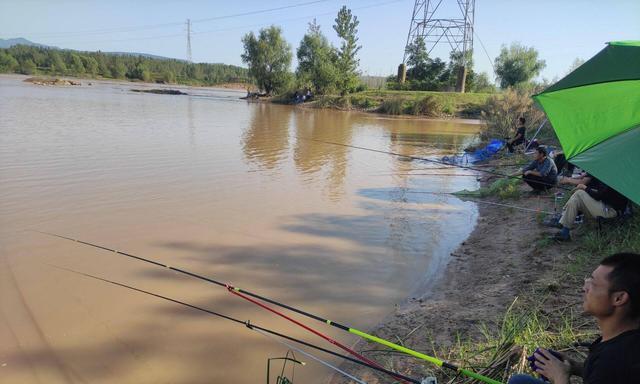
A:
[(581, 186), (554, 369), (526, 173)]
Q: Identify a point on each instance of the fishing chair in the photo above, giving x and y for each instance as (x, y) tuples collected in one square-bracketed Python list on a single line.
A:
[(627, 214)]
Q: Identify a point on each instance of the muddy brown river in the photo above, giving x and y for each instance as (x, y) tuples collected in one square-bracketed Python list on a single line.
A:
[(246, 193)]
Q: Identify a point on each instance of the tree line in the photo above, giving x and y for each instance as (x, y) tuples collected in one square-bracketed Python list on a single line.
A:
[(326, 69), (322, 67), (32, 60)]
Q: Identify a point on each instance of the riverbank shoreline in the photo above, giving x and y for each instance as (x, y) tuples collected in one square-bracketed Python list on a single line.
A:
[(506, 257)]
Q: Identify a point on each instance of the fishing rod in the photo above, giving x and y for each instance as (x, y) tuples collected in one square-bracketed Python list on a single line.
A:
[(315, 332), (431, 161), (246, 323), (426, 174), (364, 335), (462, 195)]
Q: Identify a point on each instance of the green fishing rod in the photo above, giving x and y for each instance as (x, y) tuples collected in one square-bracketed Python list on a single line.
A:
[(246, 323), (364, 335)]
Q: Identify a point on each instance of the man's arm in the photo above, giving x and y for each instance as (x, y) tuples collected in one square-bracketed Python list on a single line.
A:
[(569, 180)]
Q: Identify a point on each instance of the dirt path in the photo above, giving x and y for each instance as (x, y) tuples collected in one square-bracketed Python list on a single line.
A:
[(505, 256)]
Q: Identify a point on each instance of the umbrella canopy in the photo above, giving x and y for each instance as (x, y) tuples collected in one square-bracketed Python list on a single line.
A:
[(595, 111)]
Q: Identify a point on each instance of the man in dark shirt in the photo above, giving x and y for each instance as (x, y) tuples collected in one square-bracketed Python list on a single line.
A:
[(541, 174), (594, 199), (519, 137), (612, 296)]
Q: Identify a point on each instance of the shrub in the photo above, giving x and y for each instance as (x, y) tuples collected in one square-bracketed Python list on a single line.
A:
[(393, 106), (501, 113), (426, 106), (362, 102)]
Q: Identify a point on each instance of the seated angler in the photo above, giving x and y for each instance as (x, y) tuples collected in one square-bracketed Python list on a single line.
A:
[(541, 173), (519, 138), (594, 199), (612, 297)]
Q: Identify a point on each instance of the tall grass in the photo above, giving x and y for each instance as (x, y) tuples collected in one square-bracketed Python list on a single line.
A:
[(504, 346), (501, 113), (506, 188), (393, 106)]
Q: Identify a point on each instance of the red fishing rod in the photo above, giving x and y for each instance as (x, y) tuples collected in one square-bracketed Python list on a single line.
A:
[(315, 332), (247, 323)]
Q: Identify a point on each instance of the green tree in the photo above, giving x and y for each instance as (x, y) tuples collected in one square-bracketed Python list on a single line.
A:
[(168, 76), (316, 61), (118, 70), (28, 67), (269, 58), (56, 64), (346, 26), (140, 72), (90, 64), (517, 64), (417, 60), (482, 84), (7, 62), (76, 67)]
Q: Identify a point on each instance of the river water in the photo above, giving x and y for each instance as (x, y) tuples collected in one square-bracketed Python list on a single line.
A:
[(245, 193)]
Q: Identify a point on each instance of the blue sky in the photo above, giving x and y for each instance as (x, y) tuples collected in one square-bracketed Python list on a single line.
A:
[(561, 30)]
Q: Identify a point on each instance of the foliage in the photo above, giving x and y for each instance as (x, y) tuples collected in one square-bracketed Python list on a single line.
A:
[(427, 105), (517, 64), (501, 113), (28, 67), (7, 62), (346, 26), (481, 84), (317, 61), (393, 106), (269, 57), (50, 61), (524, 327), (505, 188)]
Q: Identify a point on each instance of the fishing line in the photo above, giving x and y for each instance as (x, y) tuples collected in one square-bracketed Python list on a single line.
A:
[(311, 356), (247, 323), (461, 195), (364, 335), (315, 332), (431, 161), (426, 174)]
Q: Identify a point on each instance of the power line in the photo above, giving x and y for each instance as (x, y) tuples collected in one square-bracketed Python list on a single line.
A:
[(307, 17), (104, 31)]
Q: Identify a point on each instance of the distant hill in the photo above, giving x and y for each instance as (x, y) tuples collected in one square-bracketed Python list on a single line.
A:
[(8, 43)]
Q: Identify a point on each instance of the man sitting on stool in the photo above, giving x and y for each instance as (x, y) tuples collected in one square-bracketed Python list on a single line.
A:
[(541, 174), (593, 198)]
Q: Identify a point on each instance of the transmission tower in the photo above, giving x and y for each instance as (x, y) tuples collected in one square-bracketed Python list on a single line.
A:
[(189, 40), (438, 26)]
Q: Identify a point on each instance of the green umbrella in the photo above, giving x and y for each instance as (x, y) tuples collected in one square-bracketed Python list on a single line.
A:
[(595, 111)]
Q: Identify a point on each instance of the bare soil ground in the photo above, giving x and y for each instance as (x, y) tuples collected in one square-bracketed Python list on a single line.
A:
[(507, 255)]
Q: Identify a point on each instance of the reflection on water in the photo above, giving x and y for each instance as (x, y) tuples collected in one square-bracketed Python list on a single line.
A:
[(246, 193)]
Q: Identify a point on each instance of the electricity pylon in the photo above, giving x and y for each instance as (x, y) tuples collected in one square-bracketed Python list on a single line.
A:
[(438, 26), (189, 40)]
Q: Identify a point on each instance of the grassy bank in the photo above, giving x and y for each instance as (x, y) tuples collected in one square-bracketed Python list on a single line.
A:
[(548, 313), (411, 103)]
